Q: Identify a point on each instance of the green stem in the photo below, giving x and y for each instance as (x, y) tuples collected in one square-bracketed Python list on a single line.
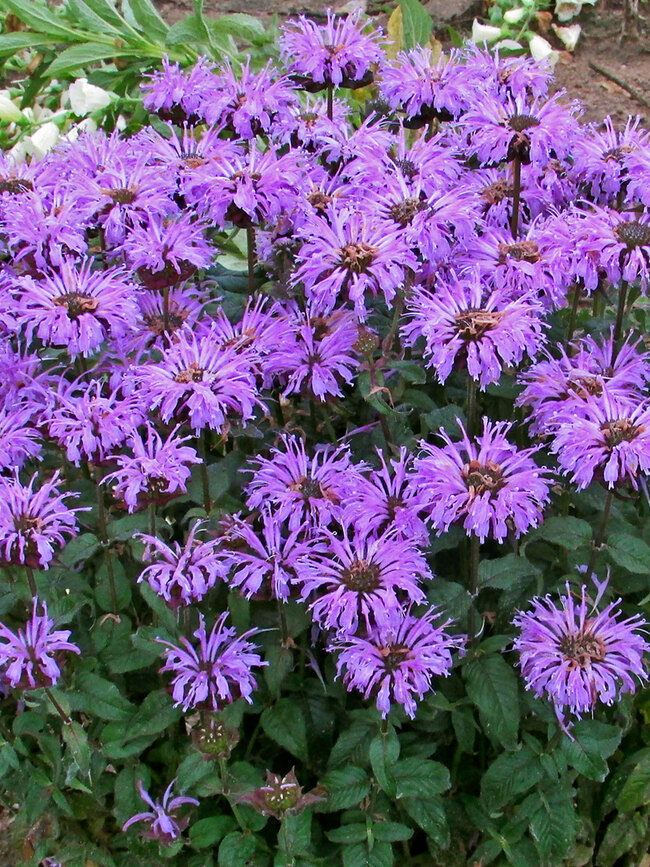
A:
[(472, 407), (328, 425), (397, 311), (330, 101), (474, 560), (226, 790), (203, 469), (251, 257), (103, 538), (577, 292), (516, 193), (66, 719), (620, 314), (31, 581), (166, 310), (284, 628), (600, 536), (152, 519)]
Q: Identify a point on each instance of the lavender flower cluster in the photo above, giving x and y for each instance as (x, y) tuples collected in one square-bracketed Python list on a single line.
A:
[(466, 212)]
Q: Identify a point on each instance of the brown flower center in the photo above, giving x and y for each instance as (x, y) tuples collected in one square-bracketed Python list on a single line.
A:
[(583, 386), (407, 168), (362, 577), (403, 212), (472, 324), (77, 303), (393, 656), (584, 648), (357, 257), (521, 122), (193, 161), (633, 234), (192, 373), (497, 192), (620, 430), (617, 154), (121, 195), (15, 186), (319, 200), (481, 478), (522, 251), (155, 322)]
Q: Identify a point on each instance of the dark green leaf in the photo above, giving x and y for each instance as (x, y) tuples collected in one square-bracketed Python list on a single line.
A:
[(236, 849), (346, 788), (77, 740), (79, 550), (143, 15), (622, 836), (592, 743), (76, 57), (38, 17), (355, 833), (83, 14), (416, 23), (503, 572), (156, 713), (103, 592), (553, 822), (391, 832), (352, 745), (422, 778), (384, 752), (218, 482), (510, 775), (629, 552), (12, 43), (99, 697), (493, 687), (238, 25), (411, 371), (429, 814), (285, 724), (566, 531), (207, 832), (636, 789), (358, 855)]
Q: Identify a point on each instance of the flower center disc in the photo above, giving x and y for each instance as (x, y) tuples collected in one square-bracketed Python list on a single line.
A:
[(362, 577), (523, 251), (357, 257), (633, 234), (77, 303), (521, 122), (583, 649), (403, 212), (393, 656), (482, 478), (121, 195), (621, 430), (472, 324), (193, 373)]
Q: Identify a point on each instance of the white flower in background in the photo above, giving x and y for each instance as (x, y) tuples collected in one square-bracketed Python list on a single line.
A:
[(507, 45), (541, 49), (565, 10), (484, 32), (85, 125), (512, 16), (9, 111), (43, 140), (86, 98), (568, 35)]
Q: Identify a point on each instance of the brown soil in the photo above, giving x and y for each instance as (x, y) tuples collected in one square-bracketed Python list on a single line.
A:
[(600, 43)]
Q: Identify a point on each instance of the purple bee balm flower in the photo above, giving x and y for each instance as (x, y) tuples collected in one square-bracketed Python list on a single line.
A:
[(603, 158), (398, 659), (323, 355), (508, 77), (388, 499), (19, 441), (163, 824), (76, 307), (606, 438), (360, 578), (305, 126), (184, 307), (467, 322), (183, 574), (24, 383), (532, 130), (249, 106), (350, 256), (494, 190), (577, 657), (562, 384), (305, 491), (33, 523), (31, 657), (264, 563), (488, 485), (338, 53), (176, 95), (426, 88), (199, 380), (167, 251), (613, 242), (41, 231), (218, 673), (156, 472), (89, 420)]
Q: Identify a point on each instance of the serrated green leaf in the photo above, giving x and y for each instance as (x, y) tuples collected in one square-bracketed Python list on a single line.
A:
[(79, 550), (207, 832), (622, 835), (417, 24), (352, 745), (99, 697), (503, 572), (411, 371), (630, 552), (357, 832), (429, 814), (84, 14), (77, 57), (239, 25), (143, 15), (592, 742), (40, 18), (566, 531), (510, 775), (12, 43), (236, 849), (552, 821), (346, 788), (76, 739), (420, 777), (391, 832), (103, 592), (359, 855), (636, 789), (284, 723), (384, 752), (494, 688)]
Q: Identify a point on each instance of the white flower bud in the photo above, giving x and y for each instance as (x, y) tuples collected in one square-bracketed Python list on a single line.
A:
[(484, 32), (512, 16), (568, 35), (86, 98), (541, 49), (9, 111), (43, 140)]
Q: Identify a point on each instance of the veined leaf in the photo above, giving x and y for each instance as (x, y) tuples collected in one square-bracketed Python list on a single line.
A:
[(143, 15), (493, 687), (77, 56), (417, 24)]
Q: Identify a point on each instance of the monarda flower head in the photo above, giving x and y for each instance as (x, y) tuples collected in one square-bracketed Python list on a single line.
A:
[(34, 523), (281, 796), (338, 53), (576, 656), (163, 823), (466, 321), (179, 96), (360, 578), (603, 438), (218, 672), (488, 486), (183, 574), (31, 658), (76, 307), (200, 380), (398, 659)]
